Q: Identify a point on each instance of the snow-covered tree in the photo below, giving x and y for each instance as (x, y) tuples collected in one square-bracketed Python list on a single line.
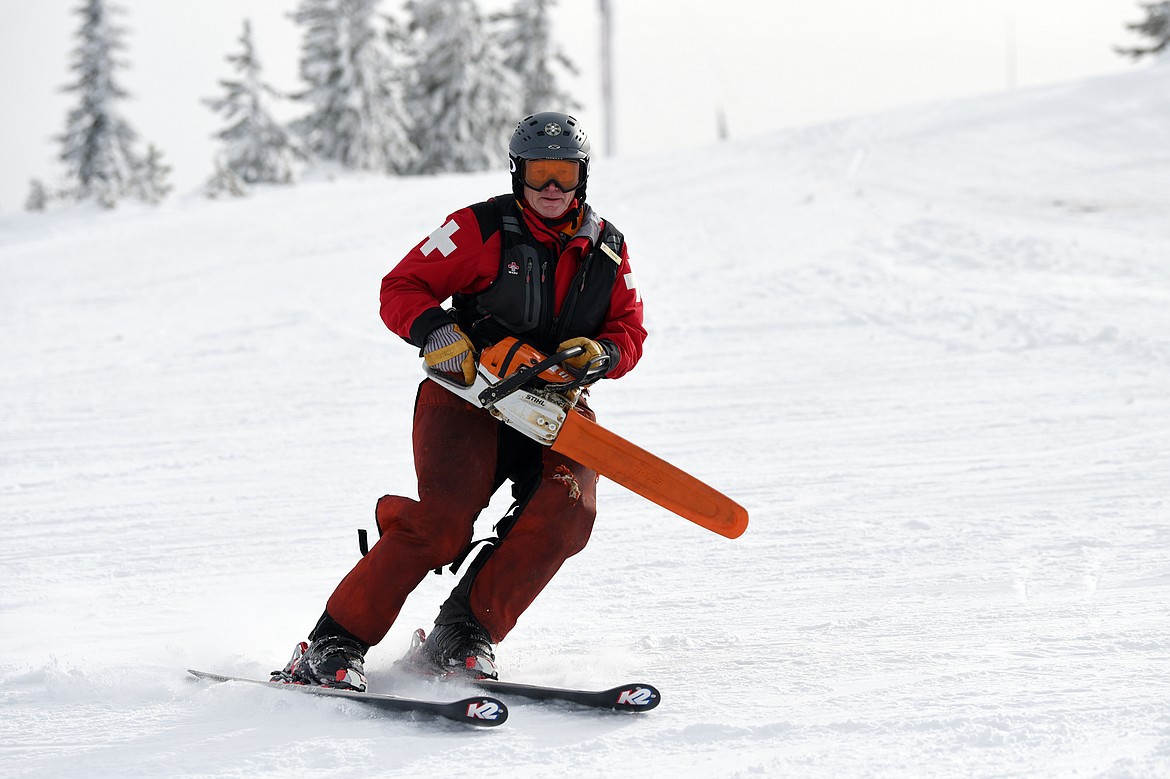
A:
[(357, 116), (398, 45), (152, 183), (38, 196), (532, 54), (256, 147), (225, 182), (1156, 27), (98, 144), (464, 98)]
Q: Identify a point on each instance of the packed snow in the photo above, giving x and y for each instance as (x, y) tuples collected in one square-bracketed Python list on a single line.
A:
[(929, 350)]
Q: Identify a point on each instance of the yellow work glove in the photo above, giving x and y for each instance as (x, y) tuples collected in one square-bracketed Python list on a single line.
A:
[(451, 353), (593, 358)]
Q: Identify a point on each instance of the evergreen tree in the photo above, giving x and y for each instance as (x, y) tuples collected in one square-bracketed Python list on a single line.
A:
[(464, 99), (398, 46), (357, 116), (1156, 26), (98, 144), (152, 183), (38, 196), (256, 147), (225, 182), (531, 54)]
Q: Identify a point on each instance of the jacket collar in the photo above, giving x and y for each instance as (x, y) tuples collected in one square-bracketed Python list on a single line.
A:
[(579, 222)]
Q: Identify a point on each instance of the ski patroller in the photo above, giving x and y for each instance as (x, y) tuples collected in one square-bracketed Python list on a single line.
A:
[(505, 385), (482, 711)]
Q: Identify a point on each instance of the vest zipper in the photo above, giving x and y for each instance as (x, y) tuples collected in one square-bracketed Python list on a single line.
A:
[(548, 319), (530, 296), (574, 295)]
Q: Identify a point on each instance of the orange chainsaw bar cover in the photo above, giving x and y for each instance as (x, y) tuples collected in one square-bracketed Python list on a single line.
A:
[(651, 477)]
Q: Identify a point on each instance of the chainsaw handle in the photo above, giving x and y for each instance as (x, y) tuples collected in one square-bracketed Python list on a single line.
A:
[(527, 373)]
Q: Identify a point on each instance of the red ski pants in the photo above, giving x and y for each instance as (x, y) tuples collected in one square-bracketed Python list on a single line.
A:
[(461, 456)]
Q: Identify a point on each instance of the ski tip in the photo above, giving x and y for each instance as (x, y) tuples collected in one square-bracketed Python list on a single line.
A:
[(635, 697), (484, 711)]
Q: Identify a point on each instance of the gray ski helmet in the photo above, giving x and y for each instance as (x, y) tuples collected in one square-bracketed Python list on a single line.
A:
[(548, 135)]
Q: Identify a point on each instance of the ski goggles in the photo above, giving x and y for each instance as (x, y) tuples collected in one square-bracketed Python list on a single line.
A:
[(566, 174)]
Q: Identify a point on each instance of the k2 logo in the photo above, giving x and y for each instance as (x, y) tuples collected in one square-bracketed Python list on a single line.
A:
[(483, 710), (639, 696)]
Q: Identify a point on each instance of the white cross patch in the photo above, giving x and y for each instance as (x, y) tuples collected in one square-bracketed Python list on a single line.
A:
[(631, 283), (441, 239)]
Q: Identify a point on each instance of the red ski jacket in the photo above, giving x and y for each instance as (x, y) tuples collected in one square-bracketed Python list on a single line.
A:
[(464, 257)]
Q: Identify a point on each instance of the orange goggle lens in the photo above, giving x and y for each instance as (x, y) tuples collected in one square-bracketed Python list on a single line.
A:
[(566, 174)]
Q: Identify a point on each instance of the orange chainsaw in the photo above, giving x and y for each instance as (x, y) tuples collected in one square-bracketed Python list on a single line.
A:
[(535, 395)]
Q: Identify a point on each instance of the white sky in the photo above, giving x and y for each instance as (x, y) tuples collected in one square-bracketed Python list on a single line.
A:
[(768, 63)]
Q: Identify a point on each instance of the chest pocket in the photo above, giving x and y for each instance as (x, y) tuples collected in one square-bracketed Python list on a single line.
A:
[(516, 299), (587, 303)]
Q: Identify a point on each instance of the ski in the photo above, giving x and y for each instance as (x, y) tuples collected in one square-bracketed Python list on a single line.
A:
[(628, 697), (482, 711)]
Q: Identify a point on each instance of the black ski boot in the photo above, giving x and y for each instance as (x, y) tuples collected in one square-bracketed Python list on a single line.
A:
[(460, 649), (330, 661)]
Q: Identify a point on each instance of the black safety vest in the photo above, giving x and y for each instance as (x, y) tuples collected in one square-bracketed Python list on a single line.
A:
[(521, 300)]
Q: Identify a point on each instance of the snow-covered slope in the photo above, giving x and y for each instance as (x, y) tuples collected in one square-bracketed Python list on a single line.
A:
[(929, 350)]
